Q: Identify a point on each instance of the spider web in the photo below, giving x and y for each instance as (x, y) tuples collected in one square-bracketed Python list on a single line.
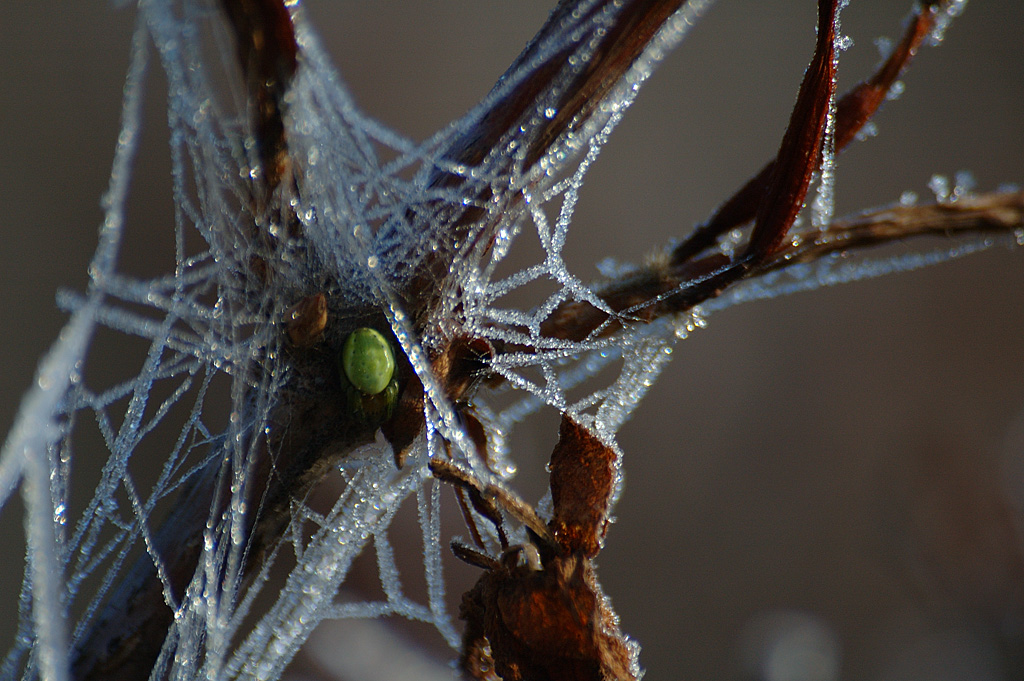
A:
[(212, 335)]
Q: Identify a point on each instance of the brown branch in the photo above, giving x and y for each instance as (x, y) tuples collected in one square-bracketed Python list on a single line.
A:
[(853, 110), (979, 215), (621, 33), (664, 289), (268, 55)]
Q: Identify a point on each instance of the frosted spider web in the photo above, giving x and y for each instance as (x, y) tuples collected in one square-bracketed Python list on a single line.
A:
[(211, 331)]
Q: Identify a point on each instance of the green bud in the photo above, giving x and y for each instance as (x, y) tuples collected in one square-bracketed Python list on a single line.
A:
[(367, 360)]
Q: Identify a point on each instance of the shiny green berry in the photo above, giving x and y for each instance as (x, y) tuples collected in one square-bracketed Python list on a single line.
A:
[(368, 361)]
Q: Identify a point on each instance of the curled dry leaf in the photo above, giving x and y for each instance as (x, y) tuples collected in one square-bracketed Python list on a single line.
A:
[(538, 612)]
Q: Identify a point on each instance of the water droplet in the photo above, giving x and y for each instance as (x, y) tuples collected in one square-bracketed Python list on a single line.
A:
[(867, 131), (895, 90), (963, 184), (908, 198), (550, 112), (939, 184), (884, 46)]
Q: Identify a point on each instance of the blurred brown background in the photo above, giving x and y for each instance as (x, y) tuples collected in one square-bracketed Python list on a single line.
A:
[(852, 455)]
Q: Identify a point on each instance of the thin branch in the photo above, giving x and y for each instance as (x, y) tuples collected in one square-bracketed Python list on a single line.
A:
[(663, 289)]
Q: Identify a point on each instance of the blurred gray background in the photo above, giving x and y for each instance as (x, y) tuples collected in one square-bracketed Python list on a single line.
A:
[(852, 459)]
